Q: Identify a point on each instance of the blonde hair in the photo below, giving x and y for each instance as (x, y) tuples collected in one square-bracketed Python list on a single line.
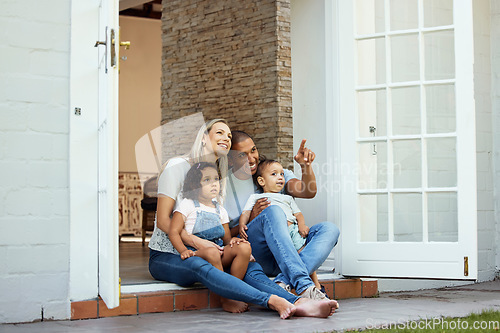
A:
[(198, 154)]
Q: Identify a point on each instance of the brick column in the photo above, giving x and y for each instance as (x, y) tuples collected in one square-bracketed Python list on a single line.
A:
[(231, 59)]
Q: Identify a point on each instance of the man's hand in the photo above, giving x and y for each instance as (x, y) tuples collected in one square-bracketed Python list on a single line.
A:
[(304, 156), (259, 206)]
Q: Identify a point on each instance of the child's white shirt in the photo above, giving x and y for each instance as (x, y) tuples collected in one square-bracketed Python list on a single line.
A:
[(187, 208)]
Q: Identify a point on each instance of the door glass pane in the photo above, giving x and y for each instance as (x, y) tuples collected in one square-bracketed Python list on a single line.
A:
[(438, 13), (405, 60), (406, 110), (372, 112), (372, 165), (370, 16), (443, 217), (440, 104), (404, 14), (442, 162), (439, 55), (407, 217), (371, 61), (407, 167), (373, 218)]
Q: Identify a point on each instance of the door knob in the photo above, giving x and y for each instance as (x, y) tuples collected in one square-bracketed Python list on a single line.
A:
[(126, 44)]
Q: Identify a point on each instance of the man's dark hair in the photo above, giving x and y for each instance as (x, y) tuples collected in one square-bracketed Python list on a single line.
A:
[(239, 136), (192, 182)]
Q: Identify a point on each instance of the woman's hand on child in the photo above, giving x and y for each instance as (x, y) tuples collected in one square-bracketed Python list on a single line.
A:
[(188, 253), (237, 241), (303, 230), (243, 234)]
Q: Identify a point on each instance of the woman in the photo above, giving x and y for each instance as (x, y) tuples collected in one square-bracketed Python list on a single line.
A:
[(212, 144)]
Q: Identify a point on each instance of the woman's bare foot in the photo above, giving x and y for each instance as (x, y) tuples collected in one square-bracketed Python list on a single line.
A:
[(306, 307), (282, 306), (233, 306)]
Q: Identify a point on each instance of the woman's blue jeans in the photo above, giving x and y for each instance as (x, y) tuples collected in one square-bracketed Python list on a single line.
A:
[(272, 247), (256, 287)]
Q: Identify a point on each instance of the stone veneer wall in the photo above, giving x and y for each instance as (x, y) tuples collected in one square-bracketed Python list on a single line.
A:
[(231, 59)]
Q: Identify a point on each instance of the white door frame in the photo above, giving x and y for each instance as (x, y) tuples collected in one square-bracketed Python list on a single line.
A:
[(83, 155), (316, 106), (83, 151)]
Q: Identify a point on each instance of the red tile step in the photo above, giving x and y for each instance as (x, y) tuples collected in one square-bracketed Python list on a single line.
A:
[(201, 298)]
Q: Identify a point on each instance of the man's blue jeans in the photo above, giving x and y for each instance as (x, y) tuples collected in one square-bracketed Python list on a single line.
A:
[(273, 249)]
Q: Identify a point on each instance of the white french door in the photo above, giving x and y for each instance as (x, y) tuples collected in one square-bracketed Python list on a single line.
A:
[(408, 139), (108, 44)]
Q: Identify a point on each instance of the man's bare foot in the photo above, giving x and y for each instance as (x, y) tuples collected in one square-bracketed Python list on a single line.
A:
[(233, 306), (311, 308), (282, 306)]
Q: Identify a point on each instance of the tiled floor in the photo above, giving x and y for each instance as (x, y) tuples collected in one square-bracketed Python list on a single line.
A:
[(175, 298), (134, 262)]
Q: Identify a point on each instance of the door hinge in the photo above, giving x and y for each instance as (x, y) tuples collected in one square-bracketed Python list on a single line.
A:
[(466, 266)]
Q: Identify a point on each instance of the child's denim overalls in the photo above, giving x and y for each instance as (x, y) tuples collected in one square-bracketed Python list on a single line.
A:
[(208, 225)]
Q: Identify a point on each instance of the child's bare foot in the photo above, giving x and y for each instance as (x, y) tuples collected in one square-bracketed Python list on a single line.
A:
[(282, 306), (233, 306), (312, 308)]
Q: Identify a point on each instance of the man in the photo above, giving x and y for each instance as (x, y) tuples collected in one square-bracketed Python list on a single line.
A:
[(267, 230)]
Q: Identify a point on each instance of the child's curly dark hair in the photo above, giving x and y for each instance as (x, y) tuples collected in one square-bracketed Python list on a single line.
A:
[(192, 183), (263, 164)]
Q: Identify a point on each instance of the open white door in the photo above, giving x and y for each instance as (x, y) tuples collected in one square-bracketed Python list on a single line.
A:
[(108, 44), (408, 139)]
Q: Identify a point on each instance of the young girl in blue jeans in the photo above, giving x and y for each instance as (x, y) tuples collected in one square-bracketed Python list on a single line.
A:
[(200, 214)]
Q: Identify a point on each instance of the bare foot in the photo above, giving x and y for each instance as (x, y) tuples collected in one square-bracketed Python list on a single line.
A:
[(233, 306), (282, 306), (312, 308)]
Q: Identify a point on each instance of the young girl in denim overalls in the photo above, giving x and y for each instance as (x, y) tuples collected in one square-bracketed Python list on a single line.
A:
[(200, 214)]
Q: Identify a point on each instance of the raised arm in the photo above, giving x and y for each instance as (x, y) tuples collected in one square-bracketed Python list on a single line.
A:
[(305, 187)]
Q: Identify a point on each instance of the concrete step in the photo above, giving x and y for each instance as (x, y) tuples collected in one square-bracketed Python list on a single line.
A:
[(168, 297)]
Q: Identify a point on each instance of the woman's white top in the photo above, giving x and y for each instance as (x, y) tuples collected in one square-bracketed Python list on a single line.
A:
[(170, 184)]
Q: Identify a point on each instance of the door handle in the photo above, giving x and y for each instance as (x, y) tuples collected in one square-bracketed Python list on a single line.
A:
[(113, 50), (126, 44)]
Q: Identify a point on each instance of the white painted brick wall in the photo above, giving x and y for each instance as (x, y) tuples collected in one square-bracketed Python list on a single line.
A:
[(495, 80), (484, 140), (34, 202)]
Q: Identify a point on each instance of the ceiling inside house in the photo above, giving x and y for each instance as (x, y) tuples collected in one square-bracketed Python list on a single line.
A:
[(141, 8)]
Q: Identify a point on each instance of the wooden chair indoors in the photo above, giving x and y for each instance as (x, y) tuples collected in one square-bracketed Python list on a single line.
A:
[(148, 205)]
